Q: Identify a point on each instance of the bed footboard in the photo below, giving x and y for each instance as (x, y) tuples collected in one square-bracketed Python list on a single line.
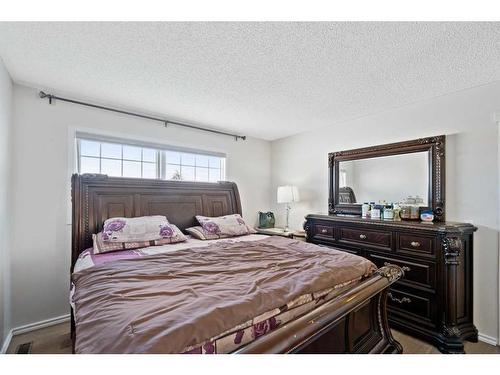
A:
[(353, 322)]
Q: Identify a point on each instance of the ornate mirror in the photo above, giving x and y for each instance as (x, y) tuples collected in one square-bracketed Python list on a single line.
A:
[(389, 173)]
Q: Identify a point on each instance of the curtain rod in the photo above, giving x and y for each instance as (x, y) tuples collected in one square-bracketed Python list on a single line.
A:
[(51, 97)]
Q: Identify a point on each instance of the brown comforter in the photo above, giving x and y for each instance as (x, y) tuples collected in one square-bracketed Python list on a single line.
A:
[(164, 303)]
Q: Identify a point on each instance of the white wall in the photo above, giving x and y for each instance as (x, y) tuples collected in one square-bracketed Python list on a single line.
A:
[(471, 179), (5, 160), (42, 167)]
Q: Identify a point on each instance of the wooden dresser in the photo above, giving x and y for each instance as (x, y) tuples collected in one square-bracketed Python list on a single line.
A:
[(433, 300)]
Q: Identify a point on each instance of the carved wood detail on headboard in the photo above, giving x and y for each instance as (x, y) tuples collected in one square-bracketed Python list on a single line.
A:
[(96, 198)]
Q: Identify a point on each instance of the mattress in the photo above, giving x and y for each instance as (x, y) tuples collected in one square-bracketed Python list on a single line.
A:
[(156, 300)]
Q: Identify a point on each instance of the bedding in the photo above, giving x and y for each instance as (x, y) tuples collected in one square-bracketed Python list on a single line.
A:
[(89, 258), (228, 225), (136, 229), (169, 234), (209, 298)]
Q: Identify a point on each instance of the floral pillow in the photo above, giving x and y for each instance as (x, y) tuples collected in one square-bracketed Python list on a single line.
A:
[(169, 234), (136, 229), (229, 225), (199, 233)]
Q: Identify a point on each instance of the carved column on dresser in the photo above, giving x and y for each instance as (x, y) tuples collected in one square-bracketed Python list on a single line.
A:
[(457, 293)]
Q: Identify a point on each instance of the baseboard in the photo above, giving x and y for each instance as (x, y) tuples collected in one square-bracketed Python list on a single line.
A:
[(487, 339), (41, 324), (6, 343)]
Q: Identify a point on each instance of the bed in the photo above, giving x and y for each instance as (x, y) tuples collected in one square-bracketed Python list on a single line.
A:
[(300, 298)]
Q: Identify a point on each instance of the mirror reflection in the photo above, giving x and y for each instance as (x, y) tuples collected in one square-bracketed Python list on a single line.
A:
[(385, 179)]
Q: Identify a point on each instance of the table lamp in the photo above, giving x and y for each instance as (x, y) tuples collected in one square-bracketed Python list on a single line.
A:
[(288, 194)]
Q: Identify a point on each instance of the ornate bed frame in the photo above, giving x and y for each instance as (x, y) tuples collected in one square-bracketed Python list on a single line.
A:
[(353, 322)]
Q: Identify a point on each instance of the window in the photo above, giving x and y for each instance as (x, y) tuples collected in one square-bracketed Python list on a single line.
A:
[(121, 159)]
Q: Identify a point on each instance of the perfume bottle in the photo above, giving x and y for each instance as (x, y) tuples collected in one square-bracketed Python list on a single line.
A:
[(365, 209), (388, 212)]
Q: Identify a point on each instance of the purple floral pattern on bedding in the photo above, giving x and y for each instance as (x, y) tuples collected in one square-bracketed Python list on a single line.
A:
[(230, 341), (261, 328), (116, 225), (166, 231), (239, 336), (209, 348), (210, 227)]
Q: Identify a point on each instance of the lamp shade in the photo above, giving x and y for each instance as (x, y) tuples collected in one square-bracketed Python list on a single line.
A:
[(288, 194)]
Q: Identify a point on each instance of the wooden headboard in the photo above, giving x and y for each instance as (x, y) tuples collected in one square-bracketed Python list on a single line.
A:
[(97, 197)]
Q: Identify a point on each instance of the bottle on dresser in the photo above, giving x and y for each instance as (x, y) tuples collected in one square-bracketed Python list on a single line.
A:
[(375, 211), (388, 212), (365, 210)]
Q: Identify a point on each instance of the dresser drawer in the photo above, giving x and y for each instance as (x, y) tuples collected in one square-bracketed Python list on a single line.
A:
[(411, 244), (379, 239), (421, 273), (322, 231), (412, 305)]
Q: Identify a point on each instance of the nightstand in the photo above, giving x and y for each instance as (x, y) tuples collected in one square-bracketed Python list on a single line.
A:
[(274, 232)]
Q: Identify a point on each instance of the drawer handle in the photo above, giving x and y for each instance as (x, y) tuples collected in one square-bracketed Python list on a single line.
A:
[(324, 230), (415, 244), (398, 300), (404, 268), (362, 236)]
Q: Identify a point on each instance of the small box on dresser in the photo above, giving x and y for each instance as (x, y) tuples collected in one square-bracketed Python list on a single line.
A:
[(433, 301)]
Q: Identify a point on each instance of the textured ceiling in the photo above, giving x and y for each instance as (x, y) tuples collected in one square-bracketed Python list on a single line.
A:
[(267, 80)]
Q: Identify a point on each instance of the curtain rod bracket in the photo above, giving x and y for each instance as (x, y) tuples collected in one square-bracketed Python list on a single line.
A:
[(44, 95), (51, 97)]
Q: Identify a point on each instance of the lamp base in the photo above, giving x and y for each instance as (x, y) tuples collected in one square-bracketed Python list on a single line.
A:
[(288, 207)]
